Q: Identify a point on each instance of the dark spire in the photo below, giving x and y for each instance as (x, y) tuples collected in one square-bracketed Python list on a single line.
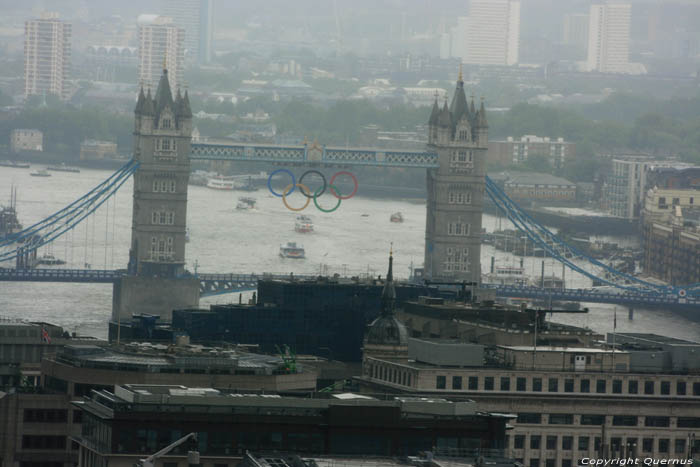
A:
[(140, 102), (445, 119), (472, 110), (481, 121), (148, 107), (186, 110), (389, 293), (459, 100), (435, 112), (164, 97)]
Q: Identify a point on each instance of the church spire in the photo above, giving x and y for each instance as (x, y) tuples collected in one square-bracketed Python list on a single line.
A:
[(389, 292), (435, 113), (459, 100), (140, 102), (481, 121)]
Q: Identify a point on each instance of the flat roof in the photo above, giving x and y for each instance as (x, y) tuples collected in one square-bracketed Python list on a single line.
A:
[(547, 348), (657, 338)]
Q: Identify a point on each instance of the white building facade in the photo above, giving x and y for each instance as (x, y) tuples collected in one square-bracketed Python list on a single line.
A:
[(161, 45), (490, 35), (47, 56), (609, 38)]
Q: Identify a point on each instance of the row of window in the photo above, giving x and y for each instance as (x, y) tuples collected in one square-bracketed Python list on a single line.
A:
[(460, 197), (164, 186), (617, 420), (161, 249), (43, 442), (458, 228), (391, 375), (457, 259), (551, 442), (163, 217), (585, 385), (166, 144)]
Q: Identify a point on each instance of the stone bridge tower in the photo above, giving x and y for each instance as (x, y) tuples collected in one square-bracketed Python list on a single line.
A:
[(156, 281), (459, 135)]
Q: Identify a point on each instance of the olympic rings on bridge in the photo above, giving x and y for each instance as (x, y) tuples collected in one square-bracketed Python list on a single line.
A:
[(308, 193)]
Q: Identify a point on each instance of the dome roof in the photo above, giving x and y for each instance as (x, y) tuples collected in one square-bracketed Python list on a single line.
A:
[(387, 330)]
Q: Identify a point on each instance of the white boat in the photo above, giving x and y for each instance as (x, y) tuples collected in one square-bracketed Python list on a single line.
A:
[(50, 260), (221, 183), (303, 224), (507, 275), (396, 217), (40, 173), (291, 250), (246, 203)]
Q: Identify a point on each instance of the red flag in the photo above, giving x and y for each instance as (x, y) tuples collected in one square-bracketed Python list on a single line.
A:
[(45, 336)]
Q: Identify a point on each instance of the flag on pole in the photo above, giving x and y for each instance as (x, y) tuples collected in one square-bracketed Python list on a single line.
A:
[(45, 336)]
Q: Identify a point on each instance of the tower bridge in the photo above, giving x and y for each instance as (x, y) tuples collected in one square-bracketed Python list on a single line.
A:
[(155, 280)]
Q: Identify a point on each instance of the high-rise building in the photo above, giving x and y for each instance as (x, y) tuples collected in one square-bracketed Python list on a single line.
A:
[(196, 17), (575, 30), (47, 53), (609, 38), (492, 33), (161, 45)]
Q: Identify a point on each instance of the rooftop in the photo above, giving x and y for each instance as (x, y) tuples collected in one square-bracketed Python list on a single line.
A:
[(534, 178)]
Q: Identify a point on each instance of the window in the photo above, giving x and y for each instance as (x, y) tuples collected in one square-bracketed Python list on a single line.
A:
[(535, 441), (456, 382), (696, 389), (553, 384), (567, 443), (165, 144), (561, 419), (534, 462), (676, 201), (566, 463), (440, 382), (529, 418), (458, 229), (647, 444), (473, 383), (165, 124), (665, 388), (648, 387), (537, 384), (633, 386), (596, 444), (171, 218), (663, 445), (463, 135), (600, 386), (488, 383), (154, 218), (585, 385), (617, 386), (156, 186), (662, 202), (568, 385), (519, 442), (679, 446), (615, 444), (505, 383), (550, 463), (657, 421), (172, 186), (592, 419), (43, 442), (583, 443), (624, 420), (520, 384), (552, 442), (688, 422), (680, 388)]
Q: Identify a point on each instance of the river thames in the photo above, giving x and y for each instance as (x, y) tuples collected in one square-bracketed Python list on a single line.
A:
[(353, 240)]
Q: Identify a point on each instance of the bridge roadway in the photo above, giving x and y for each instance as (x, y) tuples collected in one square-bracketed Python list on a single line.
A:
[(218, 284), (312, 154)]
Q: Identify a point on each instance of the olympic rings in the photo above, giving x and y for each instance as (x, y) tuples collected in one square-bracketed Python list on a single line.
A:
[(354, 180), (293, 185), (289, 189), (337, 205), (284, 197), (323, 190)]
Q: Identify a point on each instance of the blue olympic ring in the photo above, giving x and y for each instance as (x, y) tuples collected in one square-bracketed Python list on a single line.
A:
[(269, 182)]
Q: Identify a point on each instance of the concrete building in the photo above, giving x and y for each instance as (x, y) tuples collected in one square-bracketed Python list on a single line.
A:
[(196, 17), (668, 186), (155, 284), (672, 249), (575, 30), (459, 135), (539, 187), (626, 186), (123, 424), (47, 56), (161, 45), (91, 149), (492, 33), (22, 139), (514, 151), (609, 37)]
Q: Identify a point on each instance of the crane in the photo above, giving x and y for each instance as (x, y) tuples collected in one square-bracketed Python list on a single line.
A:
[(192, 456)]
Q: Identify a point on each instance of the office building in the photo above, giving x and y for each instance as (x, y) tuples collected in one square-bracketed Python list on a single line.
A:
[(161, 45), (491, 33), (575, 30), (131, 421), (625, 190), (516, 151), (196, 17), (609, 38), (47, 56)]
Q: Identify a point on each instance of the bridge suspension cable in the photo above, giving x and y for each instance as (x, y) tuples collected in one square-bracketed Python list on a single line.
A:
[(64, 220), (565, 253)]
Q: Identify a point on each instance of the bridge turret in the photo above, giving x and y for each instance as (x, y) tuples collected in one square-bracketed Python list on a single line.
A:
[(456, 190)]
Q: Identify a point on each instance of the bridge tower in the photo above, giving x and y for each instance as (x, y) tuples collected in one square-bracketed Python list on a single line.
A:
[(459, 136), (162, 136)]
